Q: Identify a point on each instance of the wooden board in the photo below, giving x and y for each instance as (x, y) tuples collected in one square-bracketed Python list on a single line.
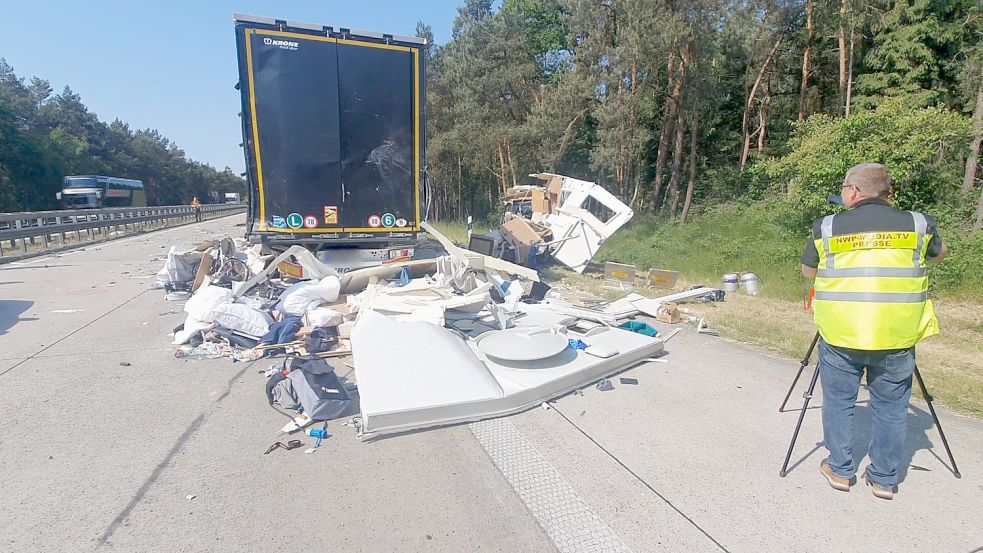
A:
[(203, 269)]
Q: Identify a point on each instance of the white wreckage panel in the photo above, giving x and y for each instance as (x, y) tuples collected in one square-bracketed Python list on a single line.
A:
[(587, 215), (414, 375)]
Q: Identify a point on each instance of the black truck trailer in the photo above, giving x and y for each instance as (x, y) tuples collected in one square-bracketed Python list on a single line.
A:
[(334, 136)]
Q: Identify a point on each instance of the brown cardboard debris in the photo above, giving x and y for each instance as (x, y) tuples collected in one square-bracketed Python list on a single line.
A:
[(539, 202), (203, 269), (553, 191), (523, 235), (668, 312), (290, 269), (340, 305)]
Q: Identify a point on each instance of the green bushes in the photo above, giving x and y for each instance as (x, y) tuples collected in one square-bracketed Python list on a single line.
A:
[(923, 148)]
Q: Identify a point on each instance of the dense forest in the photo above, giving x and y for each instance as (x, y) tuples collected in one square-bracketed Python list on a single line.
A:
[(679, 106), (46, 136)]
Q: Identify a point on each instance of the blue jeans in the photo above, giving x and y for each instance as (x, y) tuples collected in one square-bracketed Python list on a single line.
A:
[(282, 331), (889, 383)]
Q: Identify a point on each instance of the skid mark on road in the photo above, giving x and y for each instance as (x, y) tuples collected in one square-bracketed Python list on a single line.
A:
[(183, 439)]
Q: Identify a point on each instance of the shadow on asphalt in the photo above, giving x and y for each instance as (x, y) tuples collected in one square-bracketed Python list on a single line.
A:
[(10, 313), (920, 424)]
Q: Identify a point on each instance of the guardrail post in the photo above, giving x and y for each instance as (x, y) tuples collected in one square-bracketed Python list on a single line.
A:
[(44, 234), (23, 242)]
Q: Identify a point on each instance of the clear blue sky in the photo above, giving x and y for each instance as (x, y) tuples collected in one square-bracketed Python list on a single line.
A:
[(171, 65)]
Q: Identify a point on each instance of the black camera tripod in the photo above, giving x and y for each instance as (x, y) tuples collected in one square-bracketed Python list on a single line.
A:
[(812, 387)]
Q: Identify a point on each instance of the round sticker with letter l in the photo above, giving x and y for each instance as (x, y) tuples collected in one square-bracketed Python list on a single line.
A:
[(310, 221), (375, 221), (388, 220), (294, 220)]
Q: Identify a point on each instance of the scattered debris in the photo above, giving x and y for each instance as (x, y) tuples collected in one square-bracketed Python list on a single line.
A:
[(189, 497), (292, 444), (702, 328), (632, 381), (565, 218), (671, 334), (124, 364), (667, 312), (462, 337)]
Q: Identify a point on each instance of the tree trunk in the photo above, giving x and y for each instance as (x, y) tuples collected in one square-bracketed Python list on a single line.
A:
[(979, 213), (667, 118), (849, 80), (502, 182), (677, 167), (692, 170), (460, 187), (745, 123), (810, 35), (508, 146), (763, 119), (841, 96), (567, 133), (972, 163)]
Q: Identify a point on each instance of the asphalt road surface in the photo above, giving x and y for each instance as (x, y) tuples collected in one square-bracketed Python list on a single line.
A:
[(108, 442)]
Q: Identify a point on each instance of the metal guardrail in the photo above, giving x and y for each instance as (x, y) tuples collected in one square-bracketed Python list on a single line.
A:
[(27, 226)]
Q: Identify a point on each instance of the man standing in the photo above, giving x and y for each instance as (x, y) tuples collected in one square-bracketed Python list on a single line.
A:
[(196, 205), (871, 308)]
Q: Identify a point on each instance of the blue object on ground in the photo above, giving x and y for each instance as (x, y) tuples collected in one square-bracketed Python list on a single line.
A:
[(640, 328), (716, 295), (577, 344), (404, 278), (282, 331)]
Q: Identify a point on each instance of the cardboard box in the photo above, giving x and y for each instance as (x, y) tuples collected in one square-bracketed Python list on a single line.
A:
[(521, 234), (340, 305), (668, 312), (539, 202)]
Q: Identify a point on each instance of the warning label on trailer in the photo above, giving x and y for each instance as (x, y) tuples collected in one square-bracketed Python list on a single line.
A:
[(330, 215)]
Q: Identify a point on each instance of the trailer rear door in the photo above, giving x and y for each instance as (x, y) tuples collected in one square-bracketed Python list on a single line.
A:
[(332, 129)]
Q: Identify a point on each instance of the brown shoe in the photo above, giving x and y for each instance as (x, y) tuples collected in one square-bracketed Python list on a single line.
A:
[(835, 482), (879, 491)]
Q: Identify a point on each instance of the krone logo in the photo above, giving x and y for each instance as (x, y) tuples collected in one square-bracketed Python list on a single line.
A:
[(287, 44)]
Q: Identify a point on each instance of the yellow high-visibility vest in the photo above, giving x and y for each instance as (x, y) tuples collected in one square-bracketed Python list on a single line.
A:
[(872, 288)]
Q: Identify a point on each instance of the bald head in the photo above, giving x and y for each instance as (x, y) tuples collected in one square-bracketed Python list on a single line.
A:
[(871, 180)]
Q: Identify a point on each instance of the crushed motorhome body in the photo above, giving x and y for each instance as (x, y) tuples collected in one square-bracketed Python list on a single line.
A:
[(565, 218)]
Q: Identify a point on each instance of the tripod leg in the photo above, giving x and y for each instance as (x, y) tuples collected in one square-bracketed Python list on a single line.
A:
[(928, 399), (802, 366), (798, 425)]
